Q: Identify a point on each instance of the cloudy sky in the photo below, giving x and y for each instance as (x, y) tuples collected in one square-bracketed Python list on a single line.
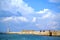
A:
[(29, 15)]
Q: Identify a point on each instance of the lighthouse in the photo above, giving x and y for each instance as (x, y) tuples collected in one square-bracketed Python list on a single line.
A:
[(8, 30)]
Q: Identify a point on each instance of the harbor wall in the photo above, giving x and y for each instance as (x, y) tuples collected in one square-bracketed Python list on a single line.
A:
[(49, 33)]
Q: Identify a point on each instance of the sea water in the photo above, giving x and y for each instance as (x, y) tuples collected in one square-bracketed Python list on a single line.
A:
[(27, 37)]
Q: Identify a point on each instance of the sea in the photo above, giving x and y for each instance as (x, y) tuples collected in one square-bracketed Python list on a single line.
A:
[(27, 37)]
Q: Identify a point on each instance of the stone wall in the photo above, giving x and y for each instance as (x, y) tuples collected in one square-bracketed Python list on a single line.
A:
[(49, 33)]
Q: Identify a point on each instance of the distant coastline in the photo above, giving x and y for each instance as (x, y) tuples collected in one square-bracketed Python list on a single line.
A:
[(45, 33)]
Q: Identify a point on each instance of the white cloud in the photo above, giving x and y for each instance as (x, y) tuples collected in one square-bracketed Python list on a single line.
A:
[(38, 25), (7, 18), (46, 13), (17, 19), (16, 5), (34, 19), (46, 16), (22, 19), (43, 11), (54, 1), (52, 24)]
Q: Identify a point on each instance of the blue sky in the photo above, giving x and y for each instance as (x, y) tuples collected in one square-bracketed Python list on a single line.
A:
[(41, 4), (29, 15)]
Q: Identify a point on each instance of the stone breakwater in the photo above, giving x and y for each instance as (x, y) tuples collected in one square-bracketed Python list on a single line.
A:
[(47, 33)]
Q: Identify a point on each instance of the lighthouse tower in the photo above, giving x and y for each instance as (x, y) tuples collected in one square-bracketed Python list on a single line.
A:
[(8, 30)]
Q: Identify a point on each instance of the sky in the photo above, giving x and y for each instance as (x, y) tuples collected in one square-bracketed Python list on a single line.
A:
[(20, 15)]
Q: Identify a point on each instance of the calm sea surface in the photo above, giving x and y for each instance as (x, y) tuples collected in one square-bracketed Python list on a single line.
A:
[(26, 37)]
